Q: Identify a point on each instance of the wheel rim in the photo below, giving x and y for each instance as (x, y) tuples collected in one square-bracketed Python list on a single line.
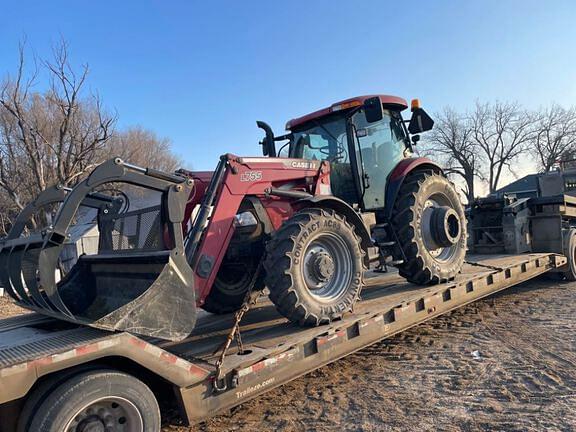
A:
[(453, 228), (109, 414), (327, 267)]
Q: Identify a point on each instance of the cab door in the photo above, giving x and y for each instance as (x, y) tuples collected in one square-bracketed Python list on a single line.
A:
[(379, 146), (329, 141)]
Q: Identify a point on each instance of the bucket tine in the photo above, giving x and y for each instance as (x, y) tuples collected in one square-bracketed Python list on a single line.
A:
[(15, 248), (28, 263), (15, 275), (29, 266), (47, 270), (5, 274)]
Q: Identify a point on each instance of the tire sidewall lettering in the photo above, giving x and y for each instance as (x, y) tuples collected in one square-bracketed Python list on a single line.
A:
[(312, 230)]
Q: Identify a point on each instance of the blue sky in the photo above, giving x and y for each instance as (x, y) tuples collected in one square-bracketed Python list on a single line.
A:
[(202, 73)]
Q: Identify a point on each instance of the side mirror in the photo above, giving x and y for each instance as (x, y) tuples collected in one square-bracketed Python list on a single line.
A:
[(373, 110), (268, 145), (420, 121), (415, 139)]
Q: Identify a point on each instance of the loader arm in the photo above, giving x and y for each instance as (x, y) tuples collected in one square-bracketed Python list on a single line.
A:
[(234, 179)]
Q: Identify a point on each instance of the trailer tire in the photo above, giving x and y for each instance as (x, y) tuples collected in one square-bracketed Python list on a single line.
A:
[(41, 391), (426, 213), (570, 253), (98, 397), (314, 267)]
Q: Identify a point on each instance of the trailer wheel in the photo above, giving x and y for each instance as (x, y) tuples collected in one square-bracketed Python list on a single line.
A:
[(570, 253), (231, 284), (98, 401), (429, 221), (41, 391), (314, 267)]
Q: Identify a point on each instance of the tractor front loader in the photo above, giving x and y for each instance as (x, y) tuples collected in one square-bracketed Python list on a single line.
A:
[(138, 281), (341, 195)]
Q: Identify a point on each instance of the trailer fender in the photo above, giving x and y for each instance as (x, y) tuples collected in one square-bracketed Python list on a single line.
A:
[(399, 173), (341, 207), (17, 380)]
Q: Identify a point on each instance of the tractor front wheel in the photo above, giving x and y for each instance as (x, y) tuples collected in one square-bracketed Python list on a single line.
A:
[(234, 279), (430, 226), (314, 267)]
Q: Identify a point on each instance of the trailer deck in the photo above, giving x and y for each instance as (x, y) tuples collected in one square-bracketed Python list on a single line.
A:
[(275, 351)]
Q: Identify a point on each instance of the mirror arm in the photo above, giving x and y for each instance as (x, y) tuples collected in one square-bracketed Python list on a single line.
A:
[(284, 137)]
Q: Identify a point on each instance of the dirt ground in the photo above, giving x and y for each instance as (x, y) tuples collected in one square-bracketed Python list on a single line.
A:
[(7, 308), (504, 363)]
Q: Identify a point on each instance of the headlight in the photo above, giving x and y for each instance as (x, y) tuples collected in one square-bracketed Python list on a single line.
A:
[(246, 219)]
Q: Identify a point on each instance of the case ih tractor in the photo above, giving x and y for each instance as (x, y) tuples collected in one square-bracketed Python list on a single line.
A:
[(342, 193)]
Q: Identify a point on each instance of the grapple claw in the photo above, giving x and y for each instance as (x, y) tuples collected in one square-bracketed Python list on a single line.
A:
[(138, 280)]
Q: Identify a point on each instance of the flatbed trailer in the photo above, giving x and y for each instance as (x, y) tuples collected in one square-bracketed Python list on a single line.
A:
[(35, 349)]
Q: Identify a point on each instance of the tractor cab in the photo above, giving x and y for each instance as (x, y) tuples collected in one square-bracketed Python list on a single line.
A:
[(363, 138)]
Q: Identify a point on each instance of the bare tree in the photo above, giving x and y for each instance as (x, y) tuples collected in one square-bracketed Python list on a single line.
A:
[(143, 147), (451, 140), (50, 137), (554, 135), (8, 211), (57, 135), (502, 132)]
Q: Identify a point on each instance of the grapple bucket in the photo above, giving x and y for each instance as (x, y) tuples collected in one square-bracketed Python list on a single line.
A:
[(137, 278)]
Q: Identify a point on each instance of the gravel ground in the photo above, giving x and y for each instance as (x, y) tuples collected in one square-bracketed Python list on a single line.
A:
[(504, 363), (7, 308)]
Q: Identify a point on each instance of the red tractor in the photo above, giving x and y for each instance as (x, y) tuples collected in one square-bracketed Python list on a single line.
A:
[(342, 194)]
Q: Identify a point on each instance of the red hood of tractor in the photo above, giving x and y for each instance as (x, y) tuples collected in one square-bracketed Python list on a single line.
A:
[(390, 101)]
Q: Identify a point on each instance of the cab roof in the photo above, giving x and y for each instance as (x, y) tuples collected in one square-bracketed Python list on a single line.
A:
[(387, 100)]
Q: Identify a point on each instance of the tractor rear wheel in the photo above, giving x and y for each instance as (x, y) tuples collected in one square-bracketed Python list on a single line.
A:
[(430, 226), (314, 267)]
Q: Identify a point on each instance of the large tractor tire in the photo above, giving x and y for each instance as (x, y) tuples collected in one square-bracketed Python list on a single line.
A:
[(233, 281), (430, 226), (314, 267)]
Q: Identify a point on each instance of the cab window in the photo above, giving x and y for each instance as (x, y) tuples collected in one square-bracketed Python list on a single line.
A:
[(322, 141), (379, 147), (326, 139)]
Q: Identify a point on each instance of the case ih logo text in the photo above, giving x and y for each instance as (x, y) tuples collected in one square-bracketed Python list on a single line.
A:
[(305, 165)]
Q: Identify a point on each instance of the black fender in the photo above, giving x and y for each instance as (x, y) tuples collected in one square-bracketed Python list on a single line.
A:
[(343, 208), (399, 174)]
